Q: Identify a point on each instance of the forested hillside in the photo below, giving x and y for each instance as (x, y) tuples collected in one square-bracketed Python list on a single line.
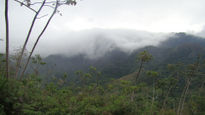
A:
[(180, 48), (102, 57), (168, 79)]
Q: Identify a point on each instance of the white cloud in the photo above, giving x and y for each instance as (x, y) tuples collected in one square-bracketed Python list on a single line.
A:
[(96, 42), (144, 15)]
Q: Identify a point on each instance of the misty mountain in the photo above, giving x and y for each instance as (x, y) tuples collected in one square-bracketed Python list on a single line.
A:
[(95, 43), (181, 47)]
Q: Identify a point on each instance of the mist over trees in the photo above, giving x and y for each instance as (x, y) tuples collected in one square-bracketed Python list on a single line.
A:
[(114, 74)]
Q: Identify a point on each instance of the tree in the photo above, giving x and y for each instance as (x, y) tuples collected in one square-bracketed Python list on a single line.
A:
[(7, 37), (54, 4), (37, 61), (166, 84), (154, 76), (143, 57), (84, 78), (96, 75), (192, 71)]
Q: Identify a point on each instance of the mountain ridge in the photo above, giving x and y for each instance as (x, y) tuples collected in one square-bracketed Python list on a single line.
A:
[(181, 47)]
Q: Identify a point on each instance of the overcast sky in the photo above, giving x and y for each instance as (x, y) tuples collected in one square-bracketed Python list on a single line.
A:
[(80, 23)]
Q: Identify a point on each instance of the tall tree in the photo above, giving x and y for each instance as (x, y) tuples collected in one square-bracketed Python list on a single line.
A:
[(27, 62), (143, 57), (7, 37), (28, 3), (192, 71), (29, 32), (153, 76)]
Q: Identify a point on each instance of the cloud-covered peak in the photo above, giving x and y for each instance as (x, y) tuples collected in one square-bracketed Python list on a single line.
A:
[(96, 42)]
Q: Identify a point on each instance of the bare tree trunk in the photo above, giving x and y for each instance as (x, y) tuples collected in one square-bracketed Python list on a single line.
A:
[(7, 38), (27, 38), (139, 71), (186, 88), (165, 100), (28, 60), (185, 94), (180, 101), (182, 98), (153, 97), (189, 83)]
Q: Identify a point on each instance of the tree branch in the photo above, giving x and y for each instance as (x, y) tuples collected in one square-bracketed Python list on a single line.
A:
[(42, 16), (45, 27), (27, 38), (22, 4)]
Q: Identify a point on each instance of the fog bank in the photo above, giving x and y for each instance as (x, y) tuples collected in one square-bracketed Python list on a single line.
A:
[(95, 43)]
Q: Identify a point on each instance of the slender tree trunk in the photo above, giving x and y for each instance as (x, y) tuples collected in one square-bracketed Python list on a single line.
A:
[(165, 100), (195, 69), (139, 71), (7, 38), (181, 98), (153, 97), (27, 38), (28, 60), (185, 92)]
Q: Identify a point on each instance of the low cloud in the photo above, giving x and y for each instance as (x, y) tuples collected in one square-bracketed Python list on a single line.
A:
[(201, 33), (95, 43)]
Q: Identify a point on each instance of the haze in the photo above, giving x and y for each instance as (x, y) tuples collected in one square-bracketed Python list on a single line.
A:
[(105, 25)]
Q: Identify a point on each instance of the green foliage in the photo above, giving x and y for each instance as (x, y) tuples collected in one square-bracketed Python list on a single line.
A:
[(152, 74), (37, 60), (144, 56), (90, 96), (30, 96)]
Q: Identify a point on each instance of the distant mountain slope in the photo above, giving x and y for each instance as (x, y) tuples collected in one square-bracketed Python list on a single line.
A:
[(129, 77), (116, 63)]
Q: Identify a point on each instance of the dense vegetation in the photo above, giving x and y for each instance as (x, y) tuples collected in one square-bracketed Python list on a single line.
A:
[(169, 85), (181, 48)]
